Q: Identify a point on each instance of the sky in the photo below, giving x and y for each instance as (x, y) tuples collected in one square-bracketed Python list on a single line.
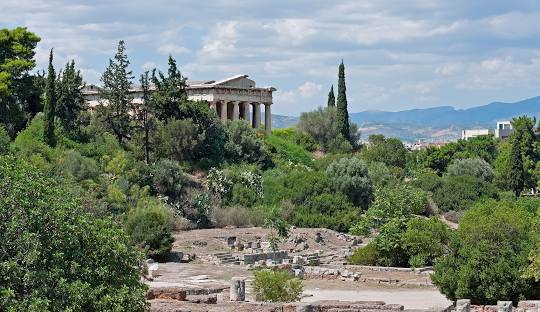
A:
[(398, 54)]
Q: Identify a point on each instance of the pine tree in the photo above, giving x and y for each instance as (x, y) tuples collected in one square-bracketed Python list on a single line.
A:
[(70, 99), (50, 104), (342, 113), (116, 101), (517, 171), (331, 97), (170, 92)]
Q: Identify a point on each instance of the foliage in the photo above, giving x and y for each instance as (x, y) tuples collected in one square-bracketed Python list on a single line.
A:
[(294, 185), (4, 141), (70, 103), (517, 174), (476, 167), (78, 167), (460, 192), (149, 228), (331, 97), (427, 181), (297, 137), (381, 175), (321, 124), (490, 253), (425, 240), (243, 145), (19, 93), (350, 176), (438, 159), (238, 216), (368, 255), (179, 139), (50, 104), (276, 286), (279, 228), (341, 106), (288, 151), (399, 202), (56, 257), (327, 210), (168, 179), (389, 151), (170, 92), (116, 100), (145, 123)]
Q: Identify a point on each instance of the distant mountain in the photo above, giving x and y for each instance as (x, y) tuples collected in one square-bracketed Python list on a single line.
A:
[(441, 123), (447, 116)]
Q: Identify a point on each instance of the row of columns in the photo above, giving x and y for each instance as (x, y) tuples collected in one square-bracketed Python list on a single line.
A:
[(240, 110)]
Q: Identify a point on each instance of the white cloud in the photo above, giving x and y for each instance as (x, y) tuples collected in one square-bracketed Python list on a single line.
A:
[(309, 89), (293, 30), (222, 39), (172, 48)]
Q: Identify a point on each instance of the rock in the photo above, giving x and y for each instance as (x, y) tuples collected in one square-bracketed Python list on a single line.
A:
[(504, 306), (231, 240), (463, 305), (238, 289), (170, 293), (318, 238)]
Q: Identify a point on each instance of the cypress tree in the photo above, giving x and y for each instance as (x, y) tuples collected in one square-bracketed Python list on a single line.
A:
[(70, 99), (50, 104), (517, 171), (342, 113), (331, 97)]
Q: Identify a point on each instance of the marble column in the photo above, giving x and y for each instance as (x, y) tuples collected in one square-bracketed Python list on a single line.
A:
[(256, 115), (245, 107), (238, 289), (236, 110), (223, 111), (268, 118)]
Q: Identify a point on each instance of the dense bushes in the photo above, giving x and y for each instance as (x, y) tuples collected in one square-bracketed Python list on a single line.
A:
[(276, 286), (460, 192), (149, 227), (476, 167), (487, 260), (4, 141), (288, 151), (243, 145), (56, 257), (350, 176), (168, 179)]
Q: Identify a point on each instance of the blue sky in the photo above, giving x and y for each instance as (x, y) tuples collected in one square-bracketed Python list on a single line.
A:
[(398, 54)]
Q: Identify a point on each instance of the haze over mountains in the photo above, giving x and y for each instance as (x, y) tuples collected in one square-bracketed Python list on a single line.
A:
[(433, 124)]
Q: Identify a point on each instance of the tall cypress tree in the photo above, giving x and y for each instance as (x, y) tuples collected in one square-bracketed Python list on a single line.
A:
[(517, 171), (342, 113), (331, 97), (70, 98), (50, 104), (116, 103)]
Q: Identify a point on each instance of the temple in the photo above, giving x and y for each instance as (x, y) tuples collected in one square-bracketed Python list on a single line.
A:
[(232, 98)]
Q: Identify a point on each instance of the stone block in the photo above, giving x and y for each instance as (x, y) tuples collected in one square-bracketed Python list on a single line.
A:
[(504, 306), (171, 293), (463, 305), (238, 289), (231, 240)]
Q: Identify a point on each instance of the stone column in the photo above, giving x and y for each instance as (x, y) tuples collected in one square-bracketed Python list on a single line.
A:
[(504, 306), (463, 305), (268, 118), (256, 115), (238, 289), (246, 111), (236, 110), (223, 111)]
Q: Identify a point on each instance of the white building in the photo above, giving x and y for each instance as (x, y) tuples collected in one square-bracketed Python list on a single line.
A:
[(232, 98), (503, 130)]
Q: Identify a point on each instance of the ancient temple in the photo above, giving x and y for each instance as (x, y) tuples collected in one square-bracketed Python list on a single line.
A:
[(233, 98)]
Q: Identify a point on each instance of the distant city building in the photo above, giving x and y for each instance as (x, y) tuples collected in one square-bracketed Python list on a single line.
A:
[(232, 98), (502, 131)]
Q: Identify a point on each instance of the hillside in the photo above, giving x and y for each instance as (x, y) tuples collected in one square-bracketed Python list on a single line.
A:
[(434, 124)]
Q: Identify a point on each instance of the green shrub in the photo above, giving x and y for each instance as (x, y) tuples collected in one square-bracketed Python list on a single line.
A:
[(149, 228), (381, 175), (425, 240), (350, 176), (169, 179), (288, 151), (459, 193), (179, 140), (238, 216), (243, 145), (79, 167), (428, 181), (476, 167), (389, 151), (295, 185), (488, 258), (4, 140), (367, 255), (276, 286), (294, 136), (56, 257)]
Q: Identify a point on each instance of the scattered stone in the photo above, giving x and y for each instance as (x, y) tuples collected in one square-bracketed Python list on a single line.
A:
[(170, 293), (504, 306), (231, 240), (463, 305), (318, 238)]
